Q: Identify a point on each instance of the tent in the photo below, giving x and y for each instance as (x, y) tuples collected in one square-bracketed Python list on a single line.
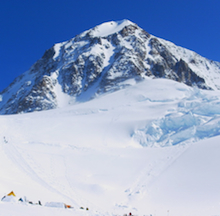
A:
[(9, 197)]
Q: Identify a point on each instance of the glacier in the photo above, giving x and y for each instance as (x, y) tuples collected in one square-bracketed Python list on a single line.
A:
[(195, 117)]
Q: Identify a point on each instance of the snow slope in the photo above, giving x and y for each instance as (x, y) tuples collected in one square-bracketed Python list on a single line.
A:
[(149, 149)]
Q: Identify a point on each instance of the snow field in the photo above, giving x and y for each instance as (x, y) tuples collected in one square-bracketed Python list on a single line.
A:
[(112, 154)]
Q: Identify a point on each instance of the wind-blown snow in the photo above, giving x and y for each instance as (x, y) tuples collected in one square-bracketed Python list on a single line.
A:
[(150, 149)]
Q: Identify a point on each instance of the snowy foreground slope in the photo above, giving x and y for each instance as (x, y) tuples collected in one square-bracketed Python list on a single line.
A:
[(150, 149)]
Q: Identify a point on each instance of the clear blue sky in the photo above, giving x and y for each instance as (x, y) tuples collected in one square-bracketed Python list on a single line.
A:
[(29, 27)]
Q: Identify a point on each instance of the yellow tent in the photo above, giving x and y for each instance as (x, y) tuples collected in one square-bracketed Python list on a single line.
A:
[(11, 194), (9, 197)]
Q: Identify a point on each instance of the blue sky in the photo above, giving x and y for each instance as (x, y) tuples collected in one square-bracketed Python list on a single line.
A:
[(29, 27)]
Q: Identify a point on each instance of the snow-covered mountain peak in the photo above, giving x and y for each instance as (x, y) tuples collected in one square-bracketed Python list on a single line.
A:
[(106, 58), (109, 28)]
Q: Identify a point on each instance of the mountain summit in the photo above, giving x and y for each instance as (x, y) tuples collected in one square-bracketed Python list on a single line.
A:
[(104, 59)]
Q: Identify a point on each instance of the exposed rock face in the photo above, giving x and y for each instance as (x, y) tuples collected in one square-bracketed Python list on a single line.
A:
[(187, 76), (168, 66), (103, 59)]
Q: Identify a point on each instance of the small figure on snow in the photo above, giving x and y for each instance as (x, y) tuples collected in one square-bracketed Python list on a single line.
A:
[(5, 141)]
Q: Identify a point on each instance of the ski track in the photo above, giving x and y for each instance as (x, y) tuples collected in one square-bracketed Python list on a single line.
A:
[(49, 180), (29, 167), (152, 171)]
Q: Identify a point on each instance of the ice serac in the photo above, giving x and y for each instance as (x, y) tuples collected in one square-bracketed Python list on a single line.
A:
[(104, 59)]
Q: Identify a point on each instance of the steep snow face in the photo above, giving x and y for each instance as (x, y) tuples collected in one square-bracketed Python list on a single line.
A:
[(101, 60), (88, 154)]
